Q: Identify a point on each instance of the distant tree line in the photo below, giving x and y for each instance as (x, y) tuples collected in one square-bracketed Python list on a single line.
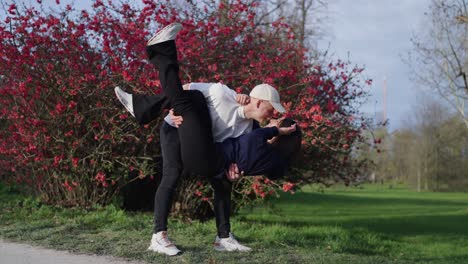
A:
[(430, 152)]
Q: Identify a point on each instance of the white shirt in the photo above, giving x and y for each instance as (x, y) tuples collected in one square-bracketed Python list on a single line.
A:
[(227, 116)]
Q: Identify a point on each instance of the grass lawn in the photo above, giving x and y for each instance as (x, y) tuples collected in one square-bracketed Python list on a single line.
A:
[(368, 224)]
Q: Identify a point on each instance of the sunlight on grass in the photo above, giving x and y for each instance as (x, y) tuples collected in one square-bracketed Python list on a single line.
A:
[(371, 219)]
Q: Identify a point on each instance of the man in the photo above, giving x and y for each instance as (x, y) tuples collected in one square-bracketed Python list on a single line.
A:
[(229, 119)]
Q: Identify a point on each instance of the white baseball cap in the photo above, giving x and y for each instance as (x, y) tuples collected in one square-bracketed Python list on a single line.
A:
[(268, 93)]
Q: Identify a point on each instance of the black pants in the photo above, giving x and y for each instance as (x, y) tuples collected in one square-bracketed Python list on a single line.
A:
[(172, 170), (198, 152)]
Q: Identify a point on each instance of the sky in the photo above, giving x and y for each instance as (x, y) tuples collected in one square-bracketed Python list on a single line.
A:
[(376, 34)]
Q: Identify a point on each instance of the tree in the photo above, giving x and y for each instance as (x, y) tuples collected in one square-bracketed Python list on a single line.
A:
[(305, 17), (439, 59), (403, 154), (429, 115), (429, 151), (453, 155)]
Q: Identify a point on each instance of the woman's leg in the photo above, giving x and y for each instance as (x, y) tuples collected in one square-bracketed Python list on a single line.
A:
[(172, 169), (148, 107), (222, 205), (198, 151), (164, 58)]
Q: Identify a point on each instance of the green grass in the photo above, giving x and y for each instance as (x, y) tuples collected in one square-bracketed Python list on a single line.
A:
[(371, 224)]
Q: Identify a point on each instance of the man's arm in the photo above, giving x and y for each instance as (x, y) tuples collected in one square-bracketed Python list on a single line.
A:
[(241, 99), (177, 120)]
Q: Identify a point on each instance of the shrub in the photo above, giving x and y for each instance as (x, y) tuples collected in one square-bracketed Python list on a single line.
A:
[(69, 140)]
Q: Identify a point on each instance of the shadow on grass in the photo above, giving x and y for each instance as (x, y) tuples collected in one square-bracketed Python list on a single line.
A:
[(384, 215), (337, 200), (441, 225)]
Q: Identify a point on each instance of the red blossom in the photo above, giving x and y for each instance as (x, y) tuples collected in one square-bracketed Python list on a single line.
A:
[(100, 177), (67, 186), (127, 76), (59, 108), (317, 118), (288, 186), (331, 106), (69, 133), (75, 162), (71, 104), (12, 9), (57, 160)]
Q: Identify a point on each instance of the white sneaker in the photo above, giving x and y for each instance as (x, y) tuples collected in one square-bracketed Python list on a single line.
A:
[(126, 99), (167, 33), (229, 244), (160, 243)]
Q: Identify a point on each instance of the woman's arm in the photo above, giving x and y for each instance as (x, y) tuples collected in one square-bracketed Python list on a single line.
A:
[(233, 174), (266, 132)]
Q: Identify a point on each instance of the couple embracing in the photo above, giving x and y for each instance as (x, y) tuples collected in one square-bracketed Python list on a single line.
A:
[(210, 131)]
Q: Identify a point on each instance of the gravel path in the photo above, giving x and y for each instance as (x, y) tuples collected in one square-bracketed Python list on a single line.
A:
[(15, 253)]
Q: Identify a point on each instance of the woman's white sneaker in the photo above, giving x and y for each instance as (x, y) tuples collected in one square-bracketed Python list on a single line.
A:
[(126, 99), (160, 243), (229, 244), (167, 33)]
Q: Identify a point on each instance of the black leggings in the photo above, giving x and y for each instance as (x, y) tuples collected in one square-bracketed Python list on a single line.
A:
[(172, 170), (197, 148)]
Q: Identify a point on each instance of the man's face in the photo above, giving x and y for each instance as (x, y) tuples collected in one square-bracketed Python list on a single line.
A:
[(264, 111)]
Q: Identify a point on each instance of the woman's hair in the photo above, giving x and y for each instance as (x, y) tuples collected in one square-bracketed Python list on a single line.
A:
[(289, 145)]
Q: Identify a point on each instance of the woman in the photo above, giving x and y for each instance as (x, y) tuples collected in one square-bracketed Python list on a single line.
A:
[(264, 151), (198, 153), (260, 152)]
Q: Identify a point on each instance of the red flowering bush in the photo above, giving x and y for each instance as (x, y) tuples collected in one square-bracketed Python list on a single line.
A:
[(67, 138)]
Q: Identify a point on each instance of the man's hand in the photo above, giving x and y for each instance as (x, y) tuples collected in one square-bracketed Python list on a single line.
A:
[(177, 120), (233, 173), (242, 99), (286, 130)]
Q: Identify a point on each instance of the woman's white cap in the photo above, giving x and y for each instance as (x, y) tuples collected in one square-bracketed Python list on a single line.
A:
[(268, 93)]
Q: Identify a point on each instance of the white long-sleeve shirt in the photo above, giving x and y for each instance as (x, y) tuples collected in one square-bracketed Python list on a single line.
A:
[(227, 116)]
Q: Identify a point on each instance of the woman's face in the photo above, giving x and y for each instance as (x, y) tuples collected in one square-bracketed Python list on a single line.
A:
[(274, 122)]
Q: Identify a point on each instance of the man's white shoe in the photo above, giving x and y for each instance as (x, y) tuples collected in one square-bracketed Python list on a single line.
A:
[(126, 99), (160, 243), (167, 33), (229, 244)]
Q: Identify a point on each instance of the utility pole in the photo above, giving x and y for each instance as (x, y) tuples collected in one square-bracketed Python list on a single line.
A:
[(385, 99)]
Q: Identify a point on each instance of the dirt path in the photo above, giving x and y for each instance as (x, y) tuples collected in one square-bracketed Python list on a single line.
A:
[(15, 253)]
